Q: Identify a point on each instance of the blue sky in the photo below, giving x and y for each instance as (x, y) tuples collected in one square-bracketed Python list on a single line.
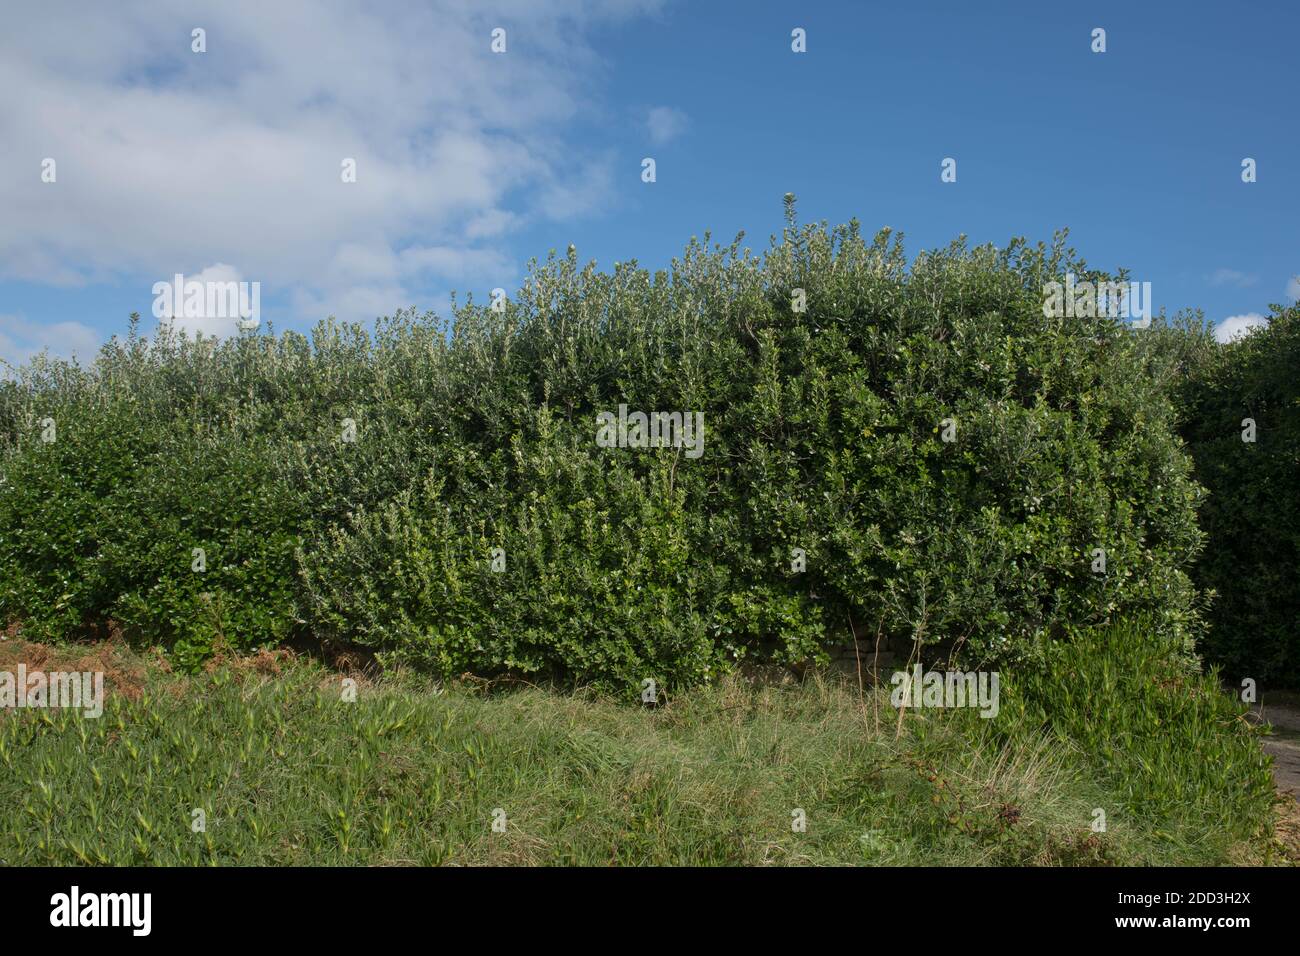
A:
[(471, 162)]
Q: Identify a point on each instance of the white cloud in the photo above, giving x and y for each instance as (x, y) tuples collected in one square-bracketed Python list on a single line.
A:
[(204, 325), (490, 224), (665, 124), (169, 160), (457, 261), (1293, 288), (583, 193), (1232, 277), (1237, 325), (20, 339)]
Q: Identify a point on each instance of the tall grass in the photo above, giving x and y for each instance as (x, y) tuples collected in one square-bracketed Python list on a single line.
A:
[(288, 772)]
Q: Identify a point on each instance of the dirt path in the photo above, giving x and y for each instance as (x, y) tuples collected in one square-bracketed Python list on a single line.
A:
[(1283, 745)]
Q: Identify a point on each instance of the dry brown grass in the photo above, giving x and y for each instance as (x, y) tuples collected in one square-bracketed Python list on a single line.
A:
[(124, 673)]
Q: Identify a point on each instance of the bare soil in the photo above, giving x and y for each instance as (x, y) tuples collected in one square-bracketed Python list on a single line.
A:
[(1283, 744)]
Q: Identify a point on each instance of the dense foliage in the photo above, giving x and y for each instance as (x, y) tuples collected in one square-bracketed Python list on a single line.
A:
[(1172, 742), (824, 430), (1252, 514)]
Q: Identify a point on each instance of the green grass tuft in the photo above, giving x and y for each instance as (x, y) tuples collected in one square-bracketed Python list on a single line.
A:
[(287, 772)]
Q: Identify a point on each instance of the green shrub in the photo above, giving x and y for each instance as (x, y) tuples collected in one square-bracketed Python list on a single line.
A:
[(1252, 515), (824, 432), (1163, 736)]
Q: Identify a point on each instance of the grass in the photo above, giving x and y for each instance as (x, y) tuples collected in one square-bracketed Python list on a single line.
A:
[(288, 772)]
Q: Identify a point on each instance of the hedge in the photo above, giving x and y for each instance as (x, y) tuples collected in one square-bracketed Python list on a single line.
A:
[(1243, 426), (906, 451)]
